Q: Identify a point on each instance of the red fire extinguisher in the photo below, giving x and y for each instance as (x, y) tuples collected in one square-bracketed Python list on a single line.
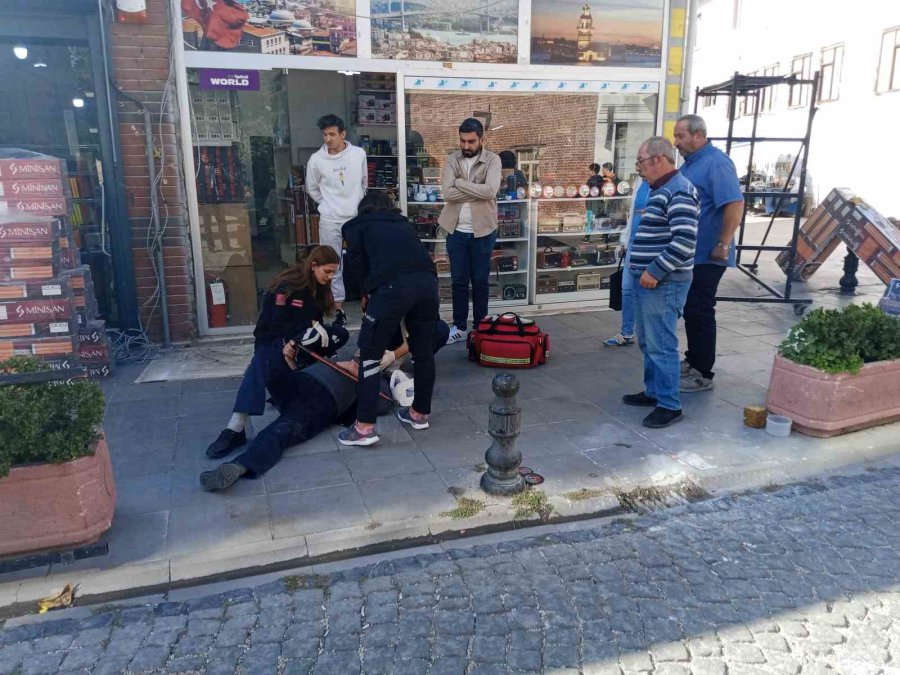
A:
[(131, 11), (216, 301)]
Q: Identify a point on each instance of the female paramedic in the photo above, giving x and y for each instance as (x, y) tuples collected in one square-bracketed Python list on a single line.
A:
[(294, 308)]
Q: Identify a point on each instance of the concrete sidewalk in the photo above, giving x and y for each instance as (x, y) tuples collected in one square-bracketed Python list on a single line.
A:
[(324, 501)]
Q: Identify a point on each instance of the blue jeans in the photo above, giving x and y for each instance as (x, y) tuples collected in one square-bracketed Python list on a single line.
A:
[(627, 299), (656, 312), (470, 261)]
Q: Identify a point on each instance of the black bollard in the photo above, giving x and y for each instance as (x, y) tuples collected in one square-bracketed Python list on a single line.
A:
[(849, 282), (504, 424)]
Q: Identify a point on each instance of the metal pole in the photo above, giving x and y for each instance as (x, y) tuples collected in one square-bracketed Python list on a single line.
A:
[(801, 193), (749, 175), (154, 222), (732, 104), (689, 43), (505, 423)]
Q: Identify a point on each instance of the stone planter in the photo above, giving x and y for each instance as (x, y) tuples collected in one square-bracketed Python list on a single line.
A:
[(50, 506), (824, 404)]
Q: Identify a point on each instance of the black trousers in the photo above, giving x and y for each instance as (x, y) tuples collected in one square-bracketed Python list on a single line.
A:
[(311, 411), (413, 297), (700, 318)]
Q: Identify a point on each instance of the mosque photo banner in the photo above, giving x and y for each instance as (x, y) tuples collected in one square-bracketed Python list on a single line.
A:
[(620, 33), (307, 28), (464, 31)]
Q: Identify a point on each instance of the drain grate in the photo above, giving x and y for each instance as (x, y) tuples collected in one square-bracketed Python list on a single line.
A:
[(653, 499)]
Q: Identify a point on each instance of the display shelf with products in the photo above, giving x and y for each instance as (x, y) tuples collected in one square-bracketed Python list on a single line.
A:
[(511, 256), (576, 245)]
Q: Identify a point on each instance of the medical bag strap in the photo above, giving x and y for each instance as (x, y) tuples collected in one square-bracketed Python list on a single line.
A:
[(493, 327)]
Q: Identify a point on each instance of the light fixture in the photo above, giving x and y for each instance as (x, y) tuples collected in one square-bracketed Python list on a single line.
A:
[(40, 64), (21, 52), (78, 102), (348, 73)]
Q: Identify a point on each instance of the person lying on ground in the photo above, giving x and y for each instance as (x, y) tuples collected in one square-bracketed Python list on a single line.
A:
[(296, 304)]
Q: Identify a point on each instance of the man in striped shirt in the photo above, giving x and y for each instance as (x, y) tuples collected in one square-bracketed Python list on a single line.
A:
[(661, 262)]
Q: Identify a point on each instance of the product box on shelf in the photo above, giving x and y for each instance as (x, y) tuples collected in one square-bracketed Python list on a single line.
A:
[(26, 165), (29, 311), (549, 225), (28, 271), (45, 252), (35, 230), (547, 284), (587, 281), (565, 286), (33, 206), (37, 346), (573, 222), (13, 189), (35, 290)]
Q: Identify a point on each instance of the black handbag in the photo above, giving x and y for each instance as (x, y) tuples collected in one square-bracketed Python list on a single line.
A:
[(615, 288)]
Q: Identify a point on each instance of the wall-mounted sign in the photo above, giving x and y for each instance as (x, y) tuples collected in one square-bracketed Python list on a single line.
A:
[(235, 80), (890, 303), (597, 32), (464, 31), (322, 28)]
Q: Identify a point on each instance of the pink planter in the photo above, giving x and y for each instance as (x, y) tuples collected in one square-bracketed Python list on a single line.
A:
[(822, 404), (48, 506)]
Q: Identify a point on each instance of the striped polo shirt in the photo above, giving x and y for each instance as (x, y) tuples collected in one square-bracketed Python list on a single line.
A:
[(666, 237)]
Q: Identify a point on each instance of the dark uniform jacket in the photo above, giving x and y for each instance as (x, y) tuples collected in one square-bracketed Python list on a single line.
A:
[(284, 315)]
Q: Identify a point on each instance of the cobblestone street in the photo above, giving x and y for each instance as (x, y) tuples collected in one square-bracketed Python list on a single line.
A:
[(799, 580)]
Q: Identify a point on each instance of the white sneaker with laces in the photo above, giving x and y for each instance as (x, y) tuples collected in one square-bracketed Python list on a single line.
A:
[(456, 335)]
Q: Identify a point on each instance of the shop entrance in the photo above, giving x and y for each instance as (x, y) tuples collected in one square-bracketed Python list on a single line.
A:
[(251, 150)]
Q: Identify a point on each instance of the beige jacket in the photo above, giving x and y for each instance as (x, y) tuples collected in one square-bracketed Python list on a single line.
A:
[(478, 189)]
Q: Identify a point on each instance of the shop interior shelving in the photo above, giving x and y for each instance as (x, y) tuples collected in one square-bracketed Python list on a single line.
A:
[(595, 245), (519, 246)]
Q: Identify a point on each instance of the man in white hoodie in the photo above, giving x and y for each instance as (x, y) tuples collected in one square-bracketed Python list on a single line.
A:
[(336, 178)]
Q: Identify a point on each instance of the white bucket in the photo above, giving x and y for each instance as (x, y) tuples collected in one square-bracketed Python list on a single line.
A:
[(778, 426)]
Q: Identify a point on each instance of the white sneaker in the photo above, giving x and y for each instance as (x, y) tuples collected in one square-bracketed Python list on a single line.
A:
[(456, 335)]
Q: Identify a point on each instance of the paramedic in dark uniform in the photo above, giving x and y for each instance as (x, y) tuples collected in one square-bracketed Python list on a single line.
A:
[(399, 282), (295, 306)]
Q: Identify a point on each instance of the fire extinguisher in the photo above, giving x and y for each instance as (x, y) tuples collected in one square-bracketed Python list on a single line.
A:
[(131, 11), (216, 301)]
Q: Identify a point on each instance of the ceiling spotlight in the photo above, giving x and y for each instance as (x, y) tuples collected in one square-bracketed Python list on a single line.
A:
[(21, 52), (348, 73), (40, 64), (78, 102)]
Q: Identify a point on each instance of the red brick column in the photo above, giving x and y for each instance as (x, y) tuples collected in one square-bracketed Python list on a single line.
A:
[(140, 68)]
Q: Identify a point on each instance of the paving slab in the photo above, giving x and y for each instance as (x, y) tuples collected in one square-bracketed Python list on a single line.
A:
[(324, 500)]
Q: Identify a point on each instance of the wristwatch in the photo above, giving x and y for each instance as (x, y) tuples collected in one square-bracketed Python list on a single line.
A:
[(721, 245)]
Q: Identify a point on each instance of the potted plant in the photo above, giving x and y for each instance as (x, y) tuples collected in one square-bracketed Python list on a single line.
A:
[(838, 371), (56, 484)]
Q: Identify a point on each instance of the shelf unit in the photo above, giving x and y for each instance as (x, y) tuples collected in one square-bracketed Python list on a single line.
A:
[(518, 246)]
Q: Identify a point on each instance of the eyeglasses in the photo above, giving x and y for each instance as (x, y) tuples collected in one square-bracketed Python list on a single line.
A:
[(641, 160)]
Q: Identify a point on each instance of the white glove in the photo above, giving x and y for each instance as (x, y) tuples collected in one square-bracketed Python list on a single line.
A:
[(388, 358), (316, 333)]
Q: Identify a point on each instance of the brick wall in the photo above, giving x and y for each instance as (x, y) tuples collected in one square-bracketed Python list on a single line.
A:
[(140, 68), (564, 124)]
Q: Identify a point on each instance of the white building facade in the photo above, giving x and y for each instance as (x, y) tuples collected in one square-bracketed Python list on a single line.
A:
[(855, 46)]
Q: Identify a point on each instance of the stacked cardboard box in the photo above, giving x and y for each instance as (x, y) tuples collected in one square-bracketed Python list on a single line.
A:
[(844, 216), (47, 298)]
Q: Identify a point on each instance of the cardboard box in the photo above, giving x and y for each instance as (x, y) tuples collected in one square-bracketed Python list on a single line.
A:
[(873, 238), (240, 288), (38, 230), (49, 206), (14, 189), (26, 311), (818, 237), (28, 168), (225, 236)]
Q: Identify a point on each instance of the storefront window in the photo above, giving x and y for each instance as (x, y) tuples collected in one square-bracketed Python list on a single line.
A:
[(252, 147), (571, 211), (48, 105)]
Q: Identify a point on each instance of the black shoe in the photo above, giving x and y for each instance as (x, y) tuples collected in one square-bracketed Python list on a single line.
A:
[(662, 417), (227, 442), (639, 399), (340, 319), (222, 477)]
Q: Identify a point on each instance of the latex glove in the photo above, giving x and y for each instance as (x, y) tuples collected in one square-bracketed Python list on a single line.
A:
[(388, 358)]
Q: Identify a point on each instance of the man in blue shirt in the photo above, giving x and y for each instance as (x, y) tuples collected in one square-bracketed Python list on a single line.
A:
[(721, 208)]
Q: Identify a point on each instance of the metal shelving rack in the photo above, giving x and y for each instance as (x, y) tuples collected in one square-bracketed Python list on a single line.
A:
[(751, 87)]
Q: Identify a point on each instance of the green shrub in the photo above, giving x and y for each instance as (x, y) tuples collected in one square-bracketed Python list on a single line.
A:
[(842, 340), (46, 422)]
